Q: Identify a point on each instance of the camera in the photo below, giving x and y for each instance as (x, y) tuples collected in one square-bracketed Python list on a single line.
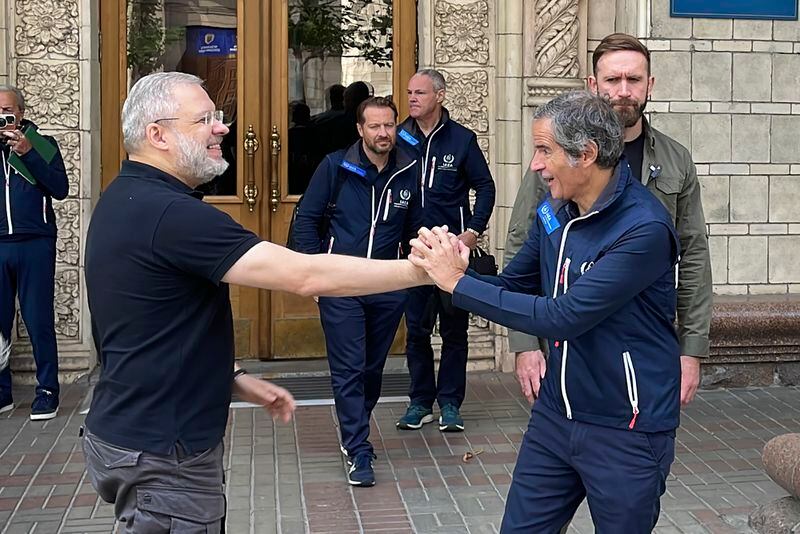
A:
[(8, 121)]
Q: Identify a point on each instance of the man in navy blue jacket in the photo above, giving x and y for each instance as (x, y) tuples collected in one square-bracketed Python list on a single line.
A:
[(377, 212), (33, 175), (451, 164), (603, 252)]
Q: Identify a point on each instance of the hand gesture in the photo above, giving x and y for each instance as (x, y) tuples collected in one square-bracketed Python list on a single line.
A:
[(443, 256)]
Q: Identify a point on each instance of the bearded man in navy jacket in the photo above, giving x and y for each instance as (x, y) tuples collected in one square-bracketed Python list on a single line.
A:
[(603, 254)]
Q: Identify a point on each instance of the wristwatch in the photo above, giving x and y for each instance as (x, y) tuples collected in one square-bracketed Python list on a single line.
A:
[(476, 233), (239, 372)]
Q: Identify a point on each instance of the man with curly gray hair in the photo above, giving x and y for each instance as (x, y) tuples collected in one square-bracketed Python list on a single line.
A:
[(602, 254)]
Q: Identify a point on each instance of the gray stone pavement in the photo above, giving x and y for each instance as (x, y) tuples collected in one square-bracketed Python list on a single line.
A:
[(289, 479)]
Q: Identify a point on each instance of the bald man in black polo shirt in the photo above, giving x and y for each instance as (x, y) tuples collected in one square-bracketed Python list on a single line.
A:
[(158, 264)]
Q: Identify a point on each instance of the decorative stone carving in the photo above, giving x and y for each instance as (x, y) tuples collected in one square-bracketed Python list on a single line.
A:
[(556, 45), (51, 93), (541, 90), (48, 27), (461, 32), (467, 98), (70, 145), (67, 304), (68, 243), (483, 143)]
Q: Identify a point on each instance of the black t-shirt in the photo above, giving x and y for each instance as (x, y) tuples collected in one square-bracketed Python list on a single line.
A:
[(161, 317), (634, 153)]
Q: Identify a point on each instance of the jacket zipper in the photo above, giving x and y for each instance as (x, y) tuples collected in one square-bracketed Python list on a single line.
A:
[(565, 352), (7, 170), (425, 163), (461, 214), (330, 245), (633, 390), (563, 278), (432, 173), (376, 210), (386, 207)]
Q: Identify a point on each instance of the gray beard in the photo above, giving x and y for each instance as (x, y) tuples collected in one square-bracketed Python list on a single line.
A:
[(194, 163)]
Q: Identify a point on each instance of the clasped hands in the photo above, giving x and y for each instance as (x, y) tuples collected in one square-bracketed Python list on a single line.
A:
[(442, 254)]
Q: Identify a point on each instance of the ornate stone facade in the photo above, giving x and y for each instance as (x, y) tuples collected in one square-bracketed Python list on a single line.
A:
[(51, 62)]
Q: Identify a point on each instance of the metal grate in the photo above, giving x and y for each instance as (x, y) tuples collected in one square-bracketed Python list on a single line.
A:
[(319, 387)]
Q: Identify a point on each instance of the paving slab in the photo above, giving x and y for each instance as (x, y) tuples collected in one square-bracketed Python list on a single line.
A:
[(289, 479)]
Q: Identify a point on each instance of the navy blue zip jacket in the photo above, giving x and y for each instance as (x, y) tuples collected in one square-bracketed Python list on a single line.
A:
[(27, 209), (376, 213), (451, 163), (609, 283)]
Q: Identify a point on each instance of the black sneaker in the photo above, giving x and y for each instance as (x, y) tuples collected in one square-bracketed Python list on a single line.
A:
[(6, 401), (45, 405), (361, 472)]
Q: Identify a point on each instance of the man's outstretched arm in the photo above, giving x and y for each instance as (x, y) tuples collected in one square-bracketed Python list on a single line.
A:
[(270, 266)]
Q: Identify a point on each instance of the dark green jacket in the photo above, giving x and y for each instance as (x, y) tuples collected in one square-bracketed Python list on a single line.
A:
[(669, 173)]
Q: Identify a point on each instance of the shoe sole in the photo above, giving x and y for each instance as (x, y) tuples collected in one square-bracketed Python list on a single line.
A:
[(407, 426), (43, 416), (7, 408), (450, 428), (357, 484)]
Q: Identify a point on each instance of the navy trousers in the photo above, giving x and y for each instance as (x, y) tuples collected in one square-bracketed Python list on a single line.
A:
[(424, 304), (358, 335), (27, 268), (622, 474)]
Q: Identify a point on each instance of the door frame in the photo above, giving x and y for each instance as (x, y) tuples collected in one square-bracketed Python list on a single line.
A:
[(263, 99)]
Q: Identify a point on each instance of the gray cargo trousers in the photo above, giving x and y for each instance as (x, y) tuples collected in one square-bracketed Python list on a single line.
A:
[(154, 494)]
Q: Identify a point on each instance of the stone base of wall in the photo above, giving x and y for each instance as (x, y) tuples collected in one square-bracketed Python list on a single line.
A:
[(755, 341)]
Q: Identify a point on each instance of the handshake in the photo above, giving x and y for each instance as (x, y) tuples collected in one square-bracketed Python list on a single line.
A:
[(442, 255)]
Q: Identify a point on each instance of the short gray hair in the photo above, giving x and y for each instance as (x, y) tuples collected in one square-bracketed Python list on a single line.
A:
[(150, 99), (579, 118), (435, 76), (5, 88)]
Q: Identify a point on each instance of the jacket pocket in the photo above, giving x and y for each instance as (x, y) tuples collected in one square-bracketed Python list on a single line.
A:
[(633, 389), (666, 190)]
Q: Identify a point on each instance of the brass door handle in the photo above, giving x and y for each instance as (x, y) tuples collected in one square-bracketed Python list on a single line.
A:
[(251, 145), (275, 183)]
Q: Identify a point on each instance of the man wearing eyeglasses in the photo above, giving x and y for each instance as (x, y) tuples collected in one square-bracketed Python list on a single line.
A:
[(33, 175), (158, 265)]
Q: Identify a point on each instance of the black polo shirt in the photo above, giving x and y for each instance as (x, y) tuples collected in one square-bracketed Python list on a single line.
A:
[(161, 317)]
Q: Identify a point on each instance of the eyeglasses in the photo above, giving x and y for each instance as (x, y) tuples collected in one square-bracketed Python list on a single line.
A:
[(207, 118)]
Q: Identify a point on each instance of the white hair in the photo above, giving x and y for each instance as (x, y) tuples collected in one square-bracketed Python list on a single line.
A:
[(150, 99)]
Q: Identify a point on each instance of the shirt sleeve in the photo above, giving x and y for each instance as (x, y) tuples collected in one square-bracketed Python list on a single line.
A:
[(200, 240)]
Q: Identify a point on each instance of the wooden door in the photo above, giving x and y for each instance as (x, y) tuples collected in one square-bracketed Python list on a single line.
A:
[(224, 44), (262, 60), (308, 61)]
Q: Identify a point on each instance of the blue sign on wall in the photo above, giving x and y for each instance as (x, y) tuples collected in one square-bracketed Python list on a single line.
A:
[(207, 41), (735, 9)]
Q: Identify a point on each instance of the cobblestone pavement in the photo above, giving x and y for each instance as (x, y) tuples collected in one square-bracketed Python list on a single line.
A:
[(290, 478)]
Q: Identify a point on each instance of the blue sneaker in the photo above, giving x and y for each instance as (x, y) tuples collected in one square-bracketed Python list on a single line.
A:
[(6, 401), (450, 420), (45, 405), (361, 472), (416, 416)]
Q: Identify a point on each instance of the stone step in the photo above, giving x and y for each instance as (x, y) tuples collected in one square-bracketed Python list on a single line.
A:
[(70, 368)]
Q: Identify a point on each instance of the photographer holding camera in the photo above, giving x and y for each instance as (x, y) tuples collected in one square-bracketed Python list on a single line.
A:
[(33, 175)]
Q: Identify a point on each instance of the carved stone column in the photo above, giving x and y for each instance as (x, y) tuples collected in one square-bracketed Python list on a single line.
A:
[(457, 37), (54, 63), (555, 42)]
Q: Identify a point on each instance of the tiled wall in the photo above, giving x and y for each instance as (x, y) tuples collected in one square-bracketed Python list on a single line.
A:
[(729, 90)]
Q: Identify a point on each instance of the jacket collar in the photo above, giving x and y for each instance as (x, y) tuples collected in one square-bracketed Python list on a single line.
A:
[(620, 178), (137, 169), (411, 126), (398, 158)]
